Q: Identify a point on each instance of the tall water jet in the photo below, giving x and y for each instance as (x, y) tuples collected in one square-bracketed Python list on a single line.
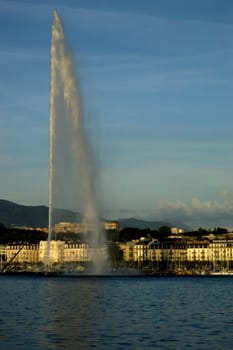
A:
[(72, 176)]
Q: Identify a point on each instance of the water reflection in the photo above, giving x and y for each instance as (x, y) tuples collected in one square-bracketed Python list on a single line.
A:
[(73, 322), (115, 313)]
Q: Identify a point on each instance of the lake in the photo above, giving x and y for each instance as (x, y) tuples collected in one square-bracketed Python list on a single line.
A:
[(116, 313)]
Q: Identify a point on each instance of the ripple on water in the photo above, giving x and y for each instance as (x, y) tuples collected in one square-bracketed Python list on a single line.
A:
[(118, 313)]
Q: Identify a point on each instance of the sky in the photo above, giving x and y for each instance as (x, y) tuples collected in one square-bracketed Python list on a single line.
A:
[(156, 80)]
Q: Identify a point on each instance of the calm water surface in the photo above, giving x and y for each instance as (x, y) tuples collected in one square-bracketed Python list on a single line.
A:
[(116, 313)]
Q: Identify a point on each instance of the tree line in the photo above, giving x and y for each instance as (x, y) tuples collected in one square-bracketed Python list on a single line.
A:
[(19, 235)]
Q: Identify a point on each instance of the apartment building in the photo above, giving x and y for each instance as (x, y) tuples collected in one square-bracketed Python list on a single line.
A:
[(27, 253), (75, 252), (56, 251), (141, 250), (221, 251), (144, 250), (198, 250), (128, 250)]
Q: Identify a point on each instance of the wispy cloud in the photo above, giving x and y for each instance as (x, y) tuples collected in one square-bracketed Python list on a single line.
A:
[(196, 213), (17, 55)]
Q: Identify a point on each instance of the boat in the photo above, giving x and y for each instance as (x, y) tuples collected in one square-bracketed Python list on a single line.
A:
[(222, 273)]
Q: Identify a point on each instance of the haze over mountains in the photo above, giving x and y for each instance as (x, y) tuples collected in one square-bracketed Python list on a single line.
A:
[(13, 214)]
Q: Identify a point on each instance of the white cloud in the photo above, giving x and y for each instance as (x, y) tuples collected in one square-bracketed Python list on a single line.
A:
[(197, 212)]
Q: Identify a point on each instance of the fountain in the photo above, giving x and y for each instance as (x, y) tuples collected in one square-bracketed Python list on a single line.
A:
[(72, 178)]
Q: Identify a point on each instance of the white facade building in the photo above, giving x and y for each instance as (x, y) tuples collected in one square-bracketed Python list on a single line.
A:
[(27, 253), (221, 251), (55, 253), (75, 252), (198, 251)]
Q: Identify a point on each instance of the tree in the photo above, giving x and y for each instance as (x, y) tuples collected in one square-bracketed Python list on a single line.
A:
[(219, 231), (202, 232), (115, 254), (112, 235), (164, 230), (129, 234), (2, 227)]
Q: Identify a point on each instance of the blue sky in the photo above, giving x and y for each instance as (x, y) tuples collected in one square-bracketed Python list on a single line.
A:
[(157, 85)]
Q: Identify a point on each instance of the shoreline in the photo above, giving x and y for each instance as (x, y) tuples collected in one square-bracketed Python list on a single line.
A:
[(111, 275)]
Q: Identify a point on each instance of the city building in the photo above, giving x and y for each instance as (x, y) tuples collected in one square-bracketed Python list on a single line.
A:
[(27, 253), (221, 253), (3, 255), (111, 225), (154, 251), (80, 227), (177, 231), (198, 250), (75, 252), (56, 251), (128, 250), (167, 254), (140, 251)]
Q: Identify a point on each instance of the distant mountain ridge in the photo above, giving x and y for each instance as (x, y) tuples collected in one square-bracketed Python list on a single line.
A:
[(142, 224), (13, 214)]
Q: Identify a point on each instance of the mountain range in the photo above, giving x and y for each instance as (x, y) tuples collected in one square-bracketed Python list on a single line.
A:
[(12, 214)]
